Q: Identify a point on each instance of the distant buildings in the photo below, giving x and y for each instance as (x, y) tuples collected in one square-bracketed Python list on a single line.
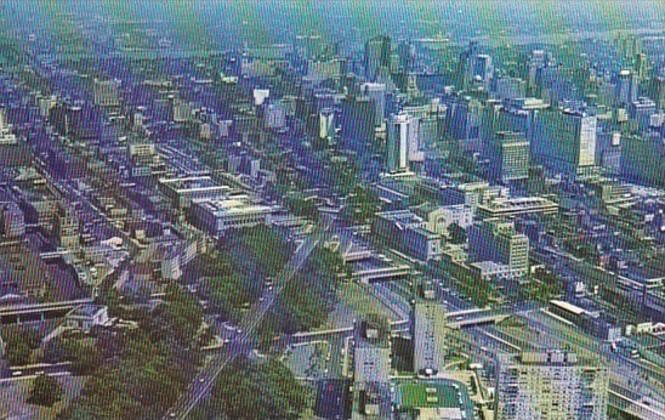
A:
[(550, 384), (497, 241), (106, 92)]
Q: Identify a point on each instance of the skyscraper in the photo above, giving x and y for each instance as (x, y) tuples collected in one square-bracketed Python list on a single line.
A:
[(402, 138), (357, 120), (377, 55), (429, 331), (626, 88), (564, 141), (550, 384), (497, 240), (106, 92), (372, 363), (376, 92), (509, 157)]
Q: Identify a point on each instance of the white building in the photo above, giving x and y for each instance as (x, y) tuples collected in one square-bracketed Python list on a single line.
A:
[(217, 215), (550, 385)]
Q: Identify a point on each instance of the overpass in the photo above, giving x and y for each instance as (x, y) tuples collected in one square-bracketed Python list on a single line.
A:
[(53, 255), (475, 321), (381, 274), (32, 312), (641, 409)]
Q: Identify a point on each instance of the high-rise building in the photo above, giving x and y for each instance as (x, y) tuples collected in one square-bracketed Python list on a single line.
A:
[(13, 221), (327, 124), (358, 120), (641, 65), (67, 228), (510, 88), (429, 331), (377, 55), (657, 91), (402, 137), (564, 141), (626, 88), (465, 66), (497, 240), (483, 70), (550, 384), (372, 364), (509, 157), (106, 92), (641, 111), (6, 135), (376, 92), (537, 61), (275, 116), (643, 158)]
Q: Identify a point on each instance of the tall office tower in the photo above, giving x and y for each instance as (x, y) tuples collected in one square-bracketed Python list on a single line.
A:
[(641, 110), (275, 116), (550, 384), (106, 92), (537, 61), (641, 65), (564, 141), (483, 69), (402, 138), (465, 65), (464, 119), (67, 228), (509, 157), (412, 91), (358, 120), (510, 88), (327, 124), (6, 135), (657, 91), (608, 150), (377, 55), (626, 88), (376, 92), (13, 220), (497, 240), (643, 158), (407, 55), (429, 331), (372, 364)]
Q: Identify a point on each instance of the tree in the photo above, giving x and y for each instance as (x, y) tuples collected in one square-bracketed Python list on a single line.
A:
[(46, 391), (19, 346), (252, 390), (456, 233)]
